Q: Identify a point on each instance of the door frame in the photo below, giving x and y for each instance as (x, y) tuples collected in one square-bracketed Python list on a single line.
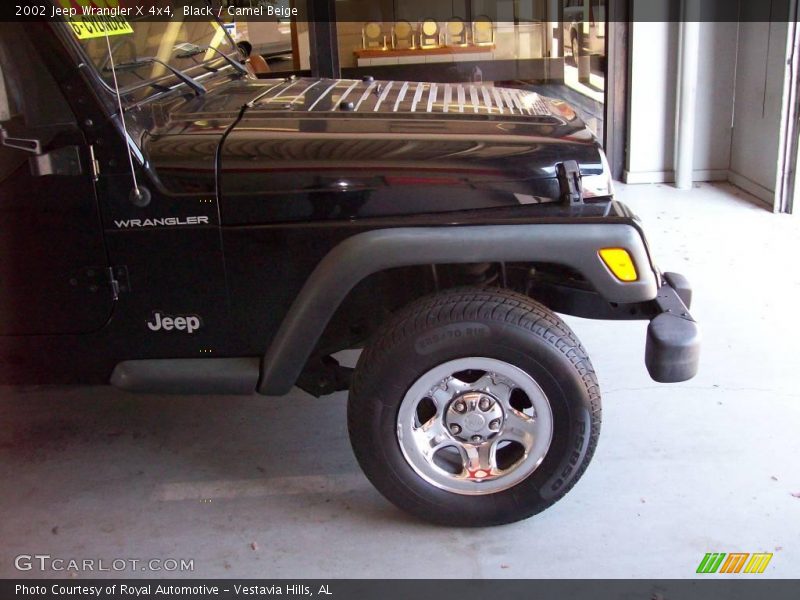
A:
[(323, 39), (617, 82), (787, 186)]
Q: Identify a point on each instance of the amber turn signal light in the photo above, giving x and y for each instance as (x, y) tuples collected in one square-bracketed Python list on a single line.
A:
[(620, 263)]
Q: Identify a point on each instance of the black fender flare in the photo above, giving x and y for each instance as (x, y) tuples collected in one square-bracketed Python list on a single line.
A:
[(572, 245)]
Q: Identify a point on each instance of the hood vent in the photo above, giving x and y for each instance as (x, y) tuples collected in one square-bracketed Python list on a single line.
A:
[(385, 97)]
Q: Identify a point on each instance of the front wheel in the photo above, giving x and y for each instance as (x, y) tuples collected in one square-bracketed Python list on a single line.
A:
[(474, 408)]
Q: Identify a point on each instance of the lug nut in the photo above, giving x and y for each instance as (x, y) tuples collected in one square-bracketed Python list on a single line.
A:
[(485, 404), (455, 429), (476, 438), (460, 406), (494, 425)]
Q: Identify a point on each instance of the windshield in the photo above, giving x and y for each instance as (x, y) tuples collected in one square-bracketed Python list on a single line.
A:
[(143, 49)]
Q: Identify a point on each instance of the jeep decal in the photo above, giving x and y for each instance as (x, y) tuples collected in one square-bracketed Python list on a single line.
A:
[(163, 322)]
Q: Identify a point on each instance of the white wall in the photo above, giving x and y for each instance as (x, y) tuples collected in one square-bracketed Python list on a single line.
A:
[(651, 127), (740, 104), (759, 104)]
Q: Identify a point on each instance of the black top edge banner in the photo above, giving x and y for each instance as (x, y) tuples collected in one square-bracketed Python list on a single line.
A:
[(364, 11), (440, 589)]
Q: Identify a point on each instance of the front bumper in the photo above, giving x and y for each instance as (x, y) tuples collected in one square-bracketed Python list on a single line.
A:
[(672, 352)]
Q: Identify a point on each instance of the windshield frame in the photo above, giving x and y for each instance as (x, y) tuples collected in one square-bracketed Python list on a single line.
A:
[(199, 71)]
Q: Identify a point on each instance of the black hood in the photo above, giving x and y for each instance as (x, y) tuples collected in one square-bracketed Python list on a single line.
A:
[(461, 146)]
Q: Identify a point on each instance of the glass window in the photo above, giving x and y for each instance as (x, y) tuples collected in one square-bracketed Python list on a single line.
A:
[(145, 57), (283, 43), (555, 47)]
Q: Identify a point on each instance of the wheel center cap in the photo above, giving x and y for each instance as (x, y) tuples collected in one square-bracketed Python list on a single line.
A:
[(474, 417), (474, 422)]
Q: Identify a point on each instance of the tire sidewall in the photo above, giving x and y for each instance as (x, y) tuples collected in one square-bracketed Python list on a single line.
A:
[(566, 391)]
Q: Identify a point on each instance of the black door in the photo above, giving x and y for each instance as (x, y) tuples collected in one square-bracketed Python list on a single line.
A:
[(52, 257)]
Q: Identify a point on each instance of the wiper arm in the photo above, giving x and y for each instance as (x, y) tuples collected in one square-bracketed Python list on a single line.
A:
[(190, 50), (197, 87)]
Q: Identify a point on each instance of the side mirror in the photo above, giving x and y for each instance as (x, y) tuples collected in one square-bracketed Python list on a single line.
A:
[(6, 114)]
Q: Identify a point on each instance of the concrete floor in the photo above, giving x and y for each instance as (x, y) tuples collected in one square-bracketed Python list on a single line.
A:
[(258, 487)]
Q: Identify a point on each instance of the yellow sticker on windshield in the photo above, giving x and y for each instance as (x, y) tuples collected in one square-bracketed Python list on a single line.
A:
[(86, 28)]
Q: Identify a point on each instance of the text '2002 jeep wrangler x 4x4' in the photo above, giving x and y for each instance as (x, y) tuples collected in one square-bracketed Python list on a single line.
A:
[(170, 224)]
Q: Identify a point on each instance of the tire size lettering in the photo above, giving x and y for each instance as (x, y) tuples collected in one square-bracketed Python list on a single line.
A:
[(574, 459), (435, 339)]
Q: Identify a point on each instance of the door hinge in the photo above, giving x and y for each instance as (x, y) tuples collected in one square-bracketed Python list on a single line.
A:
[(95, 164), (118, 280), (63, 161), (96, 278)]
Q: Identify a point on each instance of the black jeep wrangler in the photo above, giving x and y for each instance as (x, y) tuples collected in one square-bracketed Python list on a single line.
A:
[(169, 224)]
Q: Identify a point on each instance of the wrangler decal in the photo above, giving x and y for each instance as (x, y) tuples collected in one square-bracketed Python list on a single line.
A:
[(164, 222)]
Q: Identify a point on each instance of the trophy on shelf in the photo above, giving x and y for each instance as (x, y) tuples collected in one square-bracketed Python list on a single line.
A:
[(429, 34), (483, 31), (403, 36), (456, 32), (372, 37)]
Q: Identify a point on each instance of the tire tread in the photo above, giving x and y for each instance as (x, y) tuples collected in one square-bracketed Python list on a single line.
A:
[(459, 304)]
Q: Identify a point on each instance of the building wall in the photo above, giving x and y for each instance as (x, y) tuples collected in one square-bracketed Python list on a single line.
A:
[(740, 103), (759, 106), (651, 127)]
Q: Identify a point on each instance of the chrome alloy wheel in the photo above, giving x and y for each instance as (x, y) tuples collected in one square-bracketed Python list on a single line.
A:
[(474, 426)]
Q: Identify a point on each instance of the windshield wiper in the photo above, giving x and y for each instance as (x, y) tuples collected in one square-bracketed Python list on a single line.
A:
[(197, 87), (190, 50)]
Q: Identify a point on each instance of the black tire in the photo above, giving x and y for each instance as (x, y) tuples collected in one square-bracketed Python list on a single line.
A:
[(516, 330)]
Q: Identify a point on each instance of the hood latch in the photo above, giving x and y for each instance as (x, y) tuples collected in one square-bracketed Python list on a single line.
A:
[(569, 182)]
